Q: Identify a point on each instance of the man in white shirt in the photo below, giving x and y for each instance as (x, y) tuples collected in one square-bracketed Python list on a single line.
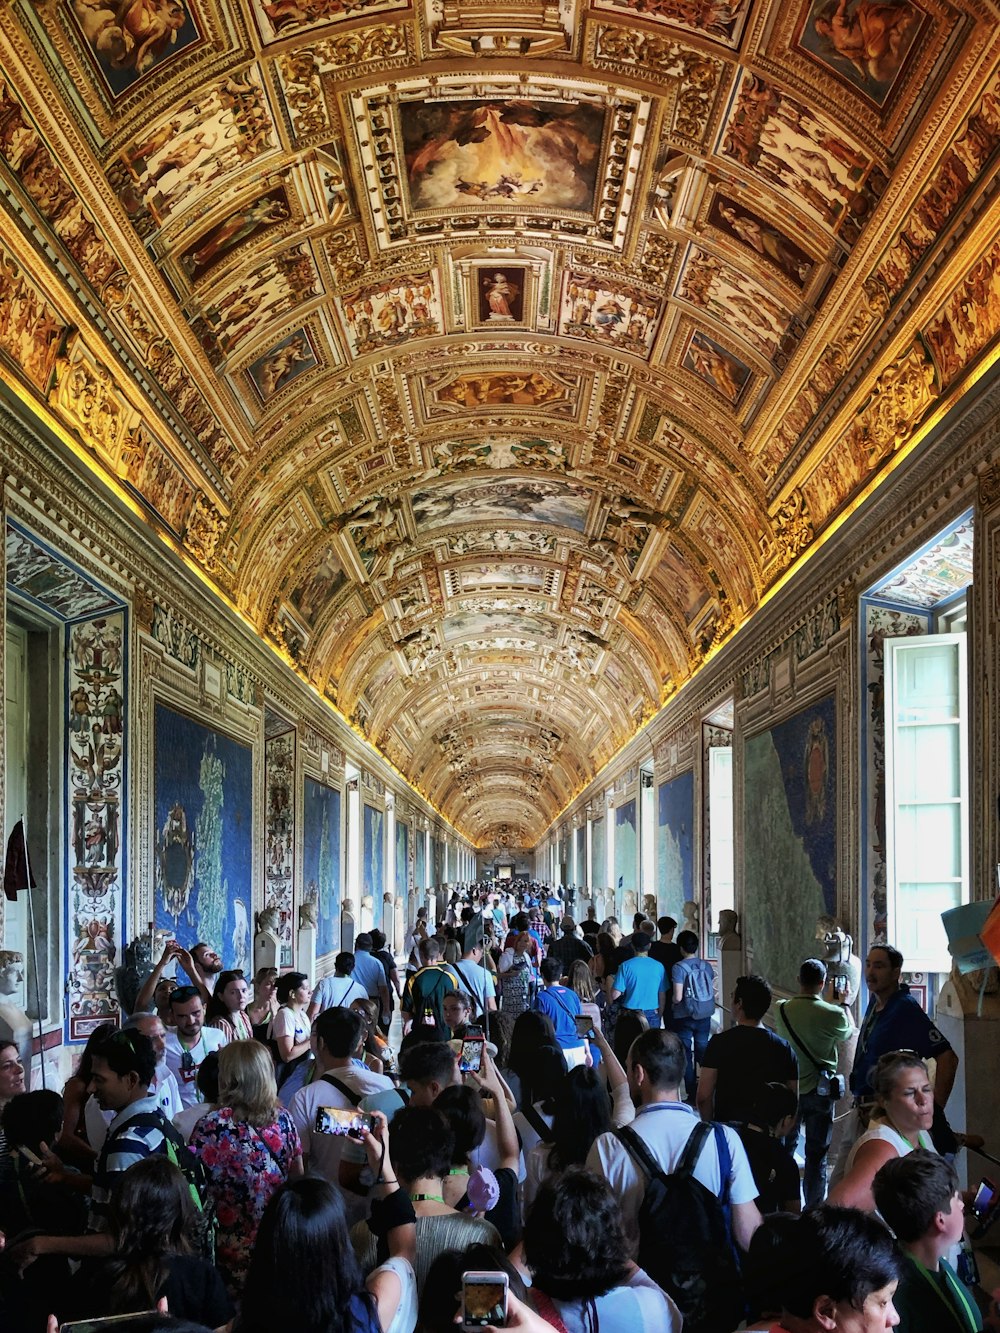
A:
[(190, 1041), (338, 1035), (476, 981), (656, 1066), (340, 990), (164, 1086)]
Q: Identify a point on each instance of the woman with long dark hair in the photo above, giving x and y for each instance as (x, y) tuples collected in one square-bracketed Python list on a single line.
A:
[(303, 1274), (531, 1039), (227, 1009), (586, 1104), (582, 1277), (152, 1219)]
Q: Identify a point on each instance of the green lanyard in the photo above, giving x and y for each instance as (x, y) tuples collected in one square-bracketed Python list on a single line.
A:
[(966, 1320)]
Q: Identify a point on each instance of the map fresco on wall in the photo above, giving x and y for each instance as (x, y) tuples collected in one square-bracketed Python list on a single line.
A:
[(203, 863), (580, 878), (675, 849), (790, 838), (626, 843), (321, 861), (402, 859), (420, 874), (599, 856), (544, 154), (373, 859)]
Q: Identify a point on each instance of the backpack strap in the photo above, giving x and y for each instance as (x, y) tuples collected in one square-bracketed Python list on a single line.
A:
[(353, 1097), (638, 1151), (534, 1118), (820, 1065), (725, 1162)]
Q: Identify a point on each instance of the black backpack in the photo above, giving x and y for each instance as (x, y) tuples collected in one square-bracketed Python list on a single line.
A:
[(192, 1168), (685, 1242)]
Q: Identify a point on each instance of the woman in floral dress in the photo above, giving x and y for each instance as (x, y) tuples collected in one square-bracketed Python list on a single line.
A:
[(249, 1147)]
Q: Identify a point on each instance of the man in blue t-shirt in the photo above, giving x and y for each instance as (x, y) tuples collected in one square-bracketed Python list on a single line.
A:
[(560, 1004), (641, 982), (894, 1021)]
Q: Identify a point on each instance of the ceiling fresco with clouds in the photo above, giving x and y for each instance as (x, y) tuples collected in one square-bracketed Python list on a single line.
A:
[(496, 361)]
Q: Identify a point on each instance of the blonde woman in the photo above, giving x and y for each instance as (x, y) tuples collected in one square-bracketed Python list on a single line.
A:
[(249, 1147)]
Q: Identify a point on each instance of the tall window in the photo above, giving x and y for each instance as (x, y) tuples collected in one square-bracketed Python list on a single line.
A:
[(926, 793)]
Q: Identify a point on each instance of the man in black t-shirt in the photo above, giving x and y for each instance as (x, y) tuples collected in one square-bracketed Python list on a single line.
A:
[(666, 952), (739, 1061)]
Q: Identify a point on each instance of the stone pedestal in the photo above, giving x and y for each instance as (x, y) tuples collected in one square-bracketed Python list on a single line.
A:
[(305, 949), (347, 927), (730, 957), (266, 950)]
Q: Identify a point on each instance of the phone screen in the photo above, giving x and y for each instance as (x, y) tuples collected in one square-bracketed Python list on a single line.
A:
[(473, 1031), (471, 1058), (335, 1120), (484, 1300), (585, 1026), (986, 1197)]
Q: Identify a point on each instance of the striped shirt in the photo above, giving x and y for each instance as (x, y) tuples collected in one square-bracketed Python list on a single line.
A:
[(125, 1145)]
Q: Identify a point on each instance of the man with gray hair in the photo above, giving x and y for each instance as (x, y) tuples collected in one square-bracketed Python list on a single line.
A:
[(164, 1086), (815, 1029)]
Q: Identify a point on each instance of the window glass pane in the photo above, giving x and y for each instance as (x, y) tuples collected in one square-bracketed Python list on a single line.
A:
[(928, 842), (927, 763)]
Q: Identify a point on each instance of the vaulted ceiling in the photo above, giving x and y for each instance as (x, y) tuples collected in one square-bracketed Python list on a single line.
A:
[(495, 359)]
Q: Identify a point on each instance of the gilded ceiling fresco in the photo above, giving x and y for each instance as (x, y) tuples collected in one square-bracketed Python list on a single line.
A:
[(496, 362)]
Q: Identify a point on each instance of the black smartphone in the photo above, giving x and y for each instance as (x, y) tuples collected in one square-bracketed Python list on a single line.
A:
[(470, 1060), (348, 1123), (585, 1027)]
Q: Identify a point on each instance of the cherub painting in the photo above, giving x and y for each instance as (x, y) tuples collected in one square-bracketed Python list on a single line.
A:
[(865, 42), (542, 154), (281, 364), (711, 362), (129, 39)]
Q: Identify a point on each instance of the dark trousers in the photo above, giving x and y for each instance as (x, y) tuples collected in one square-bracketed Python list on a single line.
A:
[(694, 1034), (816, 1118)]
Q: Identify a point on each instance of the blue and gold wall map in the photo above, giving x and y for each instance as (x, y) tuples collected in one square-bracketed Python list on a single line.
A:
[(675, 850), (790, 837), (374, 859), (321, 861), (203, 865), (402, 858), (626, 847)]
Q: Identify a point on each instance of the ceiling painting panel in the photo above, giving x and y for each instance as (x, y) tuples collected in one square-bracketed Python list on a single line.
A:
[(718, 20), (530, 500)]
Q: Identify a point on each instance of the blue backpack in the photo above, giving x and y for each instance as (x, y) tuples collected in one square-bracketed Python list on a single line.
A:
[(699, 991)]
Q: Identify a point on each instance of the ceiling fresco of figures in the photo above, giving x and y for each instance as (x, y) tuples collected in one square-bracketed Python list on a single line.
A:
[(497, 362)]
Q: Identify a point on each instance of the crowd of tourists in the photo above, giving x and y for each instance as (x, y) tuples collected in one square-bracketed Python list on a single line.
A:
[(556, 1133)]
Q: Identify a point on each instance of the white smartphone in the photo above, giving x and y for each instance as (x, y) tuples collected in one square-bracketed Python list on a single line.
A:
[(484, 1299)]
